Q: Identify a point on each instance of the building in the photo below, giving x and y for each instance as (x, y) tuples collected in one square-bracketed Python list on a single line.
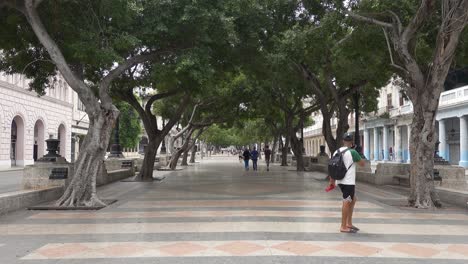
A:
[(27, 120), (385, 133)]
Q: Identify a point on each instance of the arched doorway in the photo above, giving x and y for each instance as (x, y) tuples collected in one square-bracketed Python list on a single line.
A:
[(17, 142), (39, 140), (62, 136)]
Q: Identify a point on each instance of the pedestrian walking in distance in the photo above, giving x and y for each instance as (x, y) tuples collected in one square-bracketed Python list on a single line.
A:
[(246, 155), (254, 157), (267, 153), (342, 172)]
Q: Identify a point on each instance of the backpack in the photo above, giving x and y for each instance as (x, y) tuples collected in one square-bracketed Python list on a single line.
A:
[(254, 154), (336, 167)]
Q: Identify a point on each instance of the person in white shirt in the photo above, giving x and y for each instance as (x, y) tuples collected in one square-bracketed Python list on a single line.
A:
[(348, 184)]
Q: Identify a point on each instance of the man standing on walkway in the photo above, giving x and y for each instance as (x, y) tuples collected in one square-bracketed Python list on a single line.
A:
[(267, 153), (246, 155), (348, 183), (254, 155)]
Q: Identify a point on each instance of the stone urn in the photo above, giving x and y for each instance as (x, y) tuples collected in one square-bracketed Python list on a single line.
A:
[(52, 147)]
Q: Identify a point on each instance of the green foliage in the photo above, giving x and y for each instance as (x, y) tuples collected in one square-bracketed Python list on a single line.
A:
[(130, 126)]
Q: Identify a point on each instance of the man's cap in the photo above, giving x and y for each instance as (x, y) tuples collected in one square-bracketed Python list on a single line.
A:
[(348, 137)]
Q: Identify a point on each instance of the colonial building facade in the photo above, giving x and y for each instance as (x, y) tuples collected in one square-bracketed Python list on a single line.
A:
[(27, 120), (385, 133)]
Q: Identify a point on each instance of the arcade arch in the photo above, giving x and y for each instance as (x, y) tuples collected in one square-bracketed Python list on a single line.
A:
[(39, 140), (62, 136), (17, 141)]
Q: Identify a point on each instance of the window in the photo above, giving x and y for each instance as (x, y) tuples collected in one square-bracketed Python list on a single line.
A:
[(81, 106), (389, 101)]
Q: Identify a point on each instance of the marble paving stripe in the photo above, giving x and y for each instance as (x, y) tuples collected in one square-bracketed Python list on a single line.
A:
[(241, 203), (230, 236), (202, 227), (182, 219), (249, 248), (113, 208), (233, 213)]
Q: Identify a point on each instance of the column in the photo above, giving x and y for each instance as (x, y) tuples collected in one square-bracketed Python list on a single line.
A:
[(397, 150), (376, 144), (385, 143), (464, 141), (442, 139), (366, 143), (409, 142)]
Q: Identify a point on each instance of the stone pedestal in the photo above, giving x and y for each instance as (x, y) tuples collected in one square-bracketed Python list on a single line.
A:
[(47, 174), (453, 177), (164, 160), (319, 163), (119, 164)]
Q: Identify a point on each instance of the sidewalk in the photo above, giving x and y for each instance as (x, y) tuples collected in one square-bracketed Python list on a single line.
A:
[(10, 180), (214, 212)]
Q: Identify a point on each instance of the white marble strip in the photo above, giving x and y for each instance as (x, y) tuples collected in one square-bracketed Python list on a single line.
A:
[(223, 227)]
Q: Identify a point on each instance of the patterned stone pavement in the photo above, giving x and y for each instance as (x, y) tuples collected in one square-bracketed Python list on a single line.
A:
[(214, 212)]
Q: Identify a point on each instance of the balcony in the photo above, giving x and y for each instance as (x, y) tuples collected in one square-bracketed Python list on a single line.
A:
[(454, 97), (402, 110)]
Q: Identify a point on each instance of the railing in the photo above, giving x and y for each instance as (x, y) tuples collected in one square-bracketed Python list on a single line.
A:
[(454, 96)]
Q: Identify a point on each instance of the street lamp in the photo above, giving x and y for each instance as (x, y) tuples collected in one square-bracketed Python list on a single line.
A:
[(116, 149), (357, 137)]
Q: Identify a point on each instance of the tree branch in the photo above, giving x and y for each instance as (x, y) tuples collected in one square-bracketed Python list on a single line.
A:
[(418, 20), (156, 97), (83, 91), (368, 20), (182, 106), (121, 68)]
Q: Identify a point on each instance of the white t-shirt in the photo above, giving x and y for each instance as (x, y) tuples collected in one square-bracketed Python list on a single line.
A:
[(350, 177)]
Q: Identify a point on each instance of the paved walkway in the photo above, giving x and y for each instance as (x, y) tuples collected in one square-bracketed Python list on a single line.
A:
[(214, 212), (10, 180)]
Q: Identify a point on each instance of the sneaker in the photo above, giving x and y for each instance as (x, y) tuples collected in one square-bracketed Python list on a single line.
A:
[(329, 188)]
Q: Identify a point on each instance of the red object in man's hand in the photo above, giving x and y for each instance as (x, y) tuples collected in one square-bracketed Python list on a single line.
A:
[(330, 187)]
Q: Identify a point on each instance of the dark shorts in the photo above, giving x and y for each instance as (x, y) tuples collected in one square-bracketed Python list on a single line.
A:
[(348, 192)]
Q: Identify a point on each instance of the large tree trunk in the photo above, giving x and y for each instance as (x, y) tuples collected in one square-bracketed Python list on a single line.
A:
[(185, 157), (297, 149), (335, 142), (284, 152), (423, 138), (273, 149), (193, 153), (147, 168), (82, 189), (175, 157)]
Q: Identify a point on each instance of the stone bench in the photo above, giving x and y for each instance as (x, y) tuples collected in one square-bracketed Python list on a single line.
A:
[(113, 176), (402, 180)]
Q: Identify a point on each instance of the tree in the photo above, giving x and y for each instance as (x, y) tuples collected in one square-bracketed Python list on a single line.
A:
[(130, 127), (90, 44), (335, 61), (422, 58)]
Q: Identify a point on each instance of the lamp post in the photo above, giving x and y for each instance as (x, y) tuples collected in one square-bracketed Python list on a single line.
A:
[(357, 137), (163, 145), (116, 149)]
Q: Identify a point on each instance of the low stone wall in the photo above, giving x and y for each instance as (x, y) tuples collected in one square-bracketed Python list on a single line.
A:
[(137, 164), (13, 201), (319, 163), (306, 160), (454, 197), (112, 171), (453, 177), (385, 173), (113, 176), (41, 175)]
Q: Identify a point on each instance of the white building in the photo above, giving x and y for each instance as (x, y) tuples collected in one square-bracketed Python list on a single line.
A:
[(385, 133), (27, 120)]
